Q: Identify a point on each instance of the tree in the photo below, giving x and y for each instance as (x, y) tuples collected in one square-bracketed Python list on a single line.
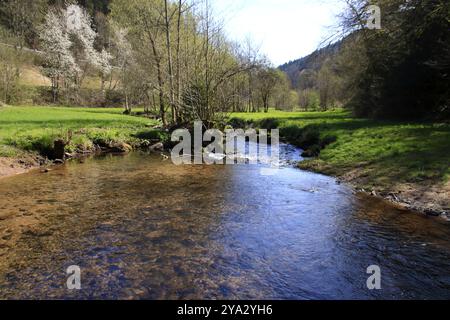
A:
[(67, 41), (309, 100), (18, 21), (403, 70), (60, 65), (9, 69), (267, 80), (283, 97), (328, 85), (21, 19), (188, 61)]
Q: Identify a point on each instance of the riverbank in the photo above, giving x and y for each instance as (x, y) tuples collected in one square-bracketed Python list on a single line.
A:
[(28, 134), (14, 166), (405, 163)]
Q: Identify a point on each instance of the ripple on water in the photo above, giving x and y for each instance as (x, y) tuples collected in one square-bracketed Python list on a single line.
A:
[(142, 228)]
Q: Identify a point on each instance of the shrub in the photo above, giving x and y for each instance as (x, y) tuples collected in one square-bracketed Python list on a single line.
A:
[(310, 136), (312, 151), (291, 134), (269, 123)]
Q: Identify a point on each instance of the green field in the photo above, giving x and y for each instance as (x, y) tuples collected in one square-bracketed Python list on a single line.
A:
[(36, 128), (380, 153)]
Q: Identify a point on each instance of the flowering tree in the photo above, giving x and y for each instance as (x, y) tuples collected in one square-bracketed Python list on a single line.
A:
[(68, 45)]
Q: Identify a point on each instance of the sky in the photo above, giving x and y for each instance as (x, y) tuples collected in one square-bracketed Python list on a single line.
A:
[(283, 29)]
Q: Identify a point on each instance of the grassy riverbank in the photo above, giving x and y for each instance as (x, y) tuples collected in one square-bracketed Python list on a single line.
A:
[(409, 160), (34, 129), (405, 161)]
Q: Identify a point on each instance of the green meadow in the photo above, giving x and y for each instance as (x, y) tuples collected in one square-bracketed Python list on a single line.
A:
[(35, 129), (381, 152)]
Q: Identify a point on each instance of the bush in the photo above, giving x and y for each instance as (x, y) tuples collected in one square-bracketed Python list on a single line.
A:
[(310, 136), (312, 151), (291, 133), (307, 138), (269, 123)]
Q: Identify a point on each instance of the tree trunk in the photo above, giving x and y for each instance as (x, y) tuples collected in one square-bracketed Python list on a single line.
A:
[(170, 63)]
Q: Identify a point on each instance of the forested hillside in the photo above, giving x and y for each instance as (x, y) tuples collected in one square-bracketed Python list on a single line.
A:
[(399, 71), (313, 62)]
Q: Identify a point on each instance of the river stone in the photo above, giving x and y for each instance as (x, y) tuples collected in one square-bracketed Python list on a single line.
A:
[(157, 147), (433, 212), (121, 147)]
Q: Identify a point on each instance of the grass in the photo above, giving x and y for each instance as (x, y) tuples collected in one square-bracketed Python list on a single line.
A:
[(35, 128), (381, 152)]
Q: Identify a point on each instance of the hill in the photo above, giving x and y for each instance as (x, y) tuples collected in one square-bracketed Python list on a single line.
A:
[(314, 61)]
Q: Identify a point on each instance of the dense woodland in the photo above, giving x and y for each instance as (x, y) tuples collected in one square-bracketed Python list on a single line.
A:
[(173, 58)]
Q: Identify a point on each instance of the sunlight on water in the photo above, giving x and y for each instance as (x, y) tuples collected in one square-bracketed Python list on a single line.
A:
[(141, 228)]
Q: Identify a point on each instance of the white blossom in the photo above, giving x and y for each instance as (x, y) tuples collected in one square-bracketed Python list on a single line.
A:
[(57, 47), (57, 34)]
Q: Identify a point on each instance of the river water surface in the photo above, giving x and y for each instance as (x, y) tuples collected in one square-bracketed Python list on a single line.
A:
[(142, 228)]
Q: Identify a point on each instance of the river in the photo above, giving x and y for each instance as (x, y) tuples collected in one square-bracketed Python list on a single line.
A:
[(140, 227)]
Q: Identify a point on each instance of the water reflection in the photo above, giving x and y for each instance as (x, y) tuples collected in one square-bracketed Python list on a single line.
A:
[(140, 227)]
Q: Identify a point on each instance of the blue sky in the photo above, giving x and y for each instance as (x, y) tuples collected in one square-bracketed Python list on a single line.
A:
[(284, 29)]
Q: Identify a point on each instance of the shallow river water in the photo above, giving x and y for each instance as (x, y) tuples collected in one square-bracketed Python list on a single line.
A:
[(142, 228)]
